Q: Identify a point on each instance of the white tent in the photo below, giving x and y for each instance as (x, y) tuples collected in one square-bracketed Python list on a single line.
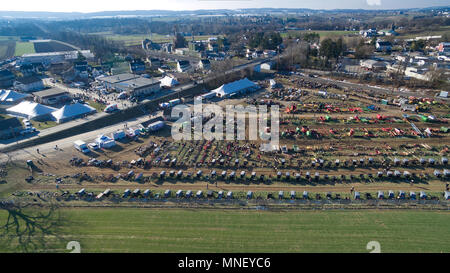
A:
[(168, 82), (239, 86), (72, 111), (30, 110), (10, 97)]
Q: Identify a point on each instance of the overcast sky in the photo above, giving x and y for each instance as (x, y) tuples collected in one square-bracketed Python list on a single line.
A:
[(109, 5)]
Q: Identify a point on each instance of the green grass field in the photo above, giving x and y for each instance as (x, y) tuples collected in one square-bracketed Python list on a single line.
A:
[(98, 106), (24, 48), (40, 125), (136, 39), (189, 230), (436, 32)]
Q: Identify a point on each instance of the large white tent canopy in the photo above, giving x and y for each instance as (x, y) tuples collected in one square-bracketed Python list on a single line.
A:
[(10, 96), (30, 110), (72, 111), (235, 87)]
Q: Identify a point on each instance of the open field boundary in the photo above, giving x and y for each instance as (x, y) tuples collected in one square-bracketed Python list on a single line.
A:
[(271, 205)]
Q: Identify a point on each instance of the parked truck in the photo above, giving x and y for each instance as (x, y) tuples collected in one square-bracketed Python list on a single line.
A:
[(81, 146), (171, 103)]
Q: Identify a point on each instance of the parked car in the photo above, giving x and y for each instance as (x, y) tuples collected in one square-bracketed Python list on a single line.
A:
[(93, 146), (28, 130), (26, 122)]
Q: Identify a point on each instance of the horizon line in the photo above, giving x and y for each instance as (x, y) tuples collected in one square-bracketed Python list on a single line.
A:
[(375, 8)]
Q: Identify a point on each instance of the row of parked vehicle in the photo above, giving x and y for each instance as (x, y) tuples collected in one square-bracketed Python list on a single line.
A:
[(28, 127)]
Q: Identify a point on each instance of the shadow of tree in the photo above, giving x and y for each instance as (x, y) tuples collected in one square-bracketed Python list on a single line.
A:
[(30, 227)]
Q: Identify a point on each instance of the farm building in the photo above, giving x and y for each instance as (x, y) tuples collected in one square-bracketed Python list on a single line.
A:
[(140, 86), (373, 65), (264, 66), (72, 111), (132, 84), (237, 87), (54, 57), (11, 97), (31, 110), (10, 127), (137, 66), (183, 66), (204, 64), (52, 96), (29, 84), (154, 62)]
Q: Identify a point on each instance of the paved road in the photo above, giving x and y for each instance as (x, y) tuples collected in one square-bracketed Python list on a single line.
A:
[(67, 143)]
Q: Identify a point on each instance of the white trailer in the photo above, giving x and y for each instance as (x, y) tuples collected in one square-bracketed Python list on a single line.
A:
[(81, 146)]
